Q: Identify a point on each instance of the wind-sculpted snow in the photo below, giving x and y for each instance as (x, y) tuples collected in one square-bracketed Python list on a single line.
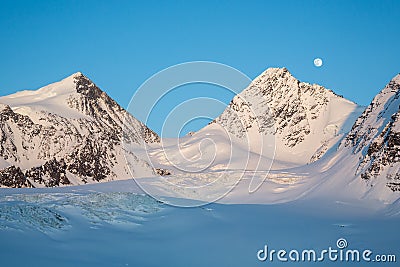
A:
[(30, 212), (114, 207), (50, 212)]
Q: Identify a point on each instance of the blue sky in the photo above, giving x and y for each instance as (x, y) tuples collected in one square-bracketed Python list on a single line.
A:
[(121, 44)]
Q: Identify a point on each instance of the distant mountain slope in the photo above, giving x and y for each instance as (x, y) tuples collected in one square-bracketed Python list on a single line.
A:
[(375, 138), (306, 119), (69, 132)]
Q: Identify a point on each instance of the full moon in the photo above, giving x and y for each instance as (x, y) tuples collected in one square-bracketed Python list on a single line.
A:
[(317, 62)]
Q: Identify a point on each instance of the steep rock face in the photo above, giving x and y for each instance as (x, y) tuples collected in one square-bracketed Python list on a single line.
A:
[(52, 173), (69, 132), (13, 177), (305, 119), (375, 137)]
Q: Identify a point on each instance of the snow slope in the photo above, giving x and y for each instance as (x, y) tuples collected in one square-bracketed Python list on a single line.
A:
[(91, 226)]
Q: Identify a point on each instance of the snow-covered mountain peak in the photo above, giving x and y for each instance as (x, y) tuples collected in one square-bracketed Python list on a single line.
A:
[(391, 90), (77, 74), (277, 71), (384, 105), (282, 77), (306, 119), (75, 96), (71, 78), (276, 76), (68, 132), (375, 137), (283, 73), (76, 83), (63, 87)]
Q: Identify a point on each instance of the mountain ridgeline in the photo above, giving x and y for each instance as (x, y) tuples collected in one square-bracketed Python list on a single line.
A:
[(306, 119), (69, 132), (375, 137)]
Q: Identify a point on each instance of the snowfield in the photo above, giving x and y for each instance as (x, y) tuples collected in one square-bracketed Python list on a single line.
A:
[(115, 224)]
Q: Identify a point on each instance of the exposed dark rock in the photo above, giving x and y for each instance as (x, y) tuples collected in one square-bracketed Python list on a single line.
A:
[(163, 172), (13, 177), (375, 137), (50, 174), (90, 161)]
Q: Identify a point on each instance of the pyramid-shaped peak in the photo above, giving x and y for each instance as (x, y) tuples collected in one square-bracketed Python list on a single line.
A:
[(281, 79), (277, 74), (389, 93), (86, 87), (277, 71), (57, 93), (77, 74), (75, 83), (74, 76)]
